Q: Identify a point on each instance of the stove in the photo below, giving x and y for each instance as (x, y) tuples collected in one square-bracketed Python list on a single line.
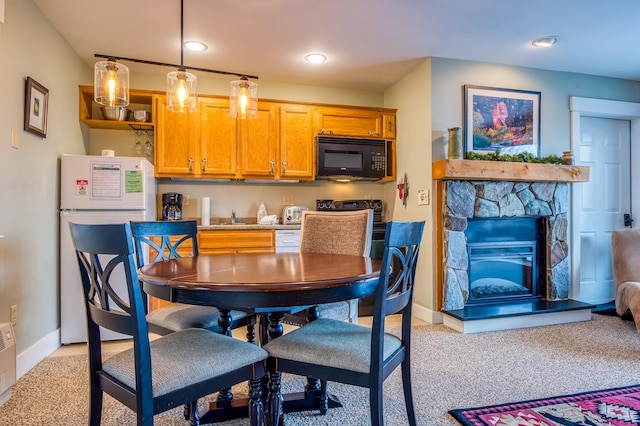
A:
[(379, 226)]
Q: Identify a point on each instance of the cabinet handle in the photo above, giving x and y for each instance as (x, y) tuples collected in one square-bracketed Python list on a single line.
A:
[(284, 167), (190, 165), (374, 134), (204, 165), (273, 167)]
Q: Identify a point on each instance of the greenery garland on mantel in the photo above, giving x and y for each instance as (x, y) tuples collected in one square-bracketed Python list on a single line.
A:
[(524, 157)]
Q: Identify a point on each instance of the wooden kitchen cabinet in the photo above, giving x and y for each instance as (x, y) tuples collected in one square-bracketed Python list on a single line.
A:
[(389, 126), (356, 122), (236, 241), (258, 142), (199, 144), (278, 144), (175, 148), (91, 114), (297, 145)]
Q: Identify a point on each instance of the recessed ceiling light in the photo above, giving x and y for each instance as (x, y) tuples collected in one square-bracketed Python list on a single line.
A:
[(545, 41), (195, 46), (315, 58)]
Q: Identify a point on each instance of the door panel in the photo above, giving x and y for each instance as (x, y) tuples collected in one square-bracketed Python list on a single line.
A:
[(605, 146)]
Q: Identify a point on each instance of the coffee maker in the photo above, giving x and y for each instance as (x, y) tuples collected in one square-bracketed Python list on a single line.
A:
[(171, 206)]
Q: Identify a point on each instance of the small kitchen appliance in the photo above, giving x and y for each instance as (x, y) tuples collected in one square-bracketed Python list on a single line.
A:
[(292, 215), (171, 206)]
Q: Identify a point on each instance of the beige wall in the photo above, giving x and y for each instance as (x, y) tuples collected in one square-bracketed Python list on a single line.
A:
[(30, 46)]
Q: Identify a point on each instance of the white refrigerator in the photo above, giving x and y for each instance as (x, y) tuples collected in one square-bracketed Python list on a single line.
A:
[(97, 190)]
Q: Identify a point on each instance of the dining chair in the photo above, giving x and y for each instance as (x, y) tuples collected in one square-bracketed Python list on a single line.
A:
[(163, 240), (333, 233), (154, 375), (339, 351)]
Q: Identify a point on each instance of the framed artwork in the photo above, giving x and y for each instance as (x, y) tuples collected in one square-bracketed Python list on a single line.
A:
[(36, 105), (504, 120)]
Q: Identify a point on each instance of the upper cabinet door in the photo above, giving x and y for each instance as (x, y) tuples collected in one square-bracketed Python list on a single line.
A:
[(259, 143), (296, 142), (348, 122), (218, 136), (175, 149)]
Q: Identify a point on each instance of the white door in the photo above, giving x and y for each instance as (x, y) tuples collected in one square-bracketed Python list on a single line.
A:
[(605, 147)]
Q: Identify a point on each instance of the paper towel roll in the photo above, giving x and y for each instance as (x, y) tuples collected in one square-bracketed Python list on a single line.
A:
[(205, 211)]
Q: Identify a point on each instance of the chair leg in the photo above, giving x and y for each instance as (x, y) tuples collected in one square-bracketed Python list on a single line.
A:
[(95, 408), (408, 395), (194, 415), (375, 403), (275, 398), (256, 408)]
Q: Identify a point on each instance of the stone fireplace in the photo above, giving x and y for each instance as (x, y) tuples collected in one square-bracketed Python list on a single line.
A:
[(512, 203), (502, 199)]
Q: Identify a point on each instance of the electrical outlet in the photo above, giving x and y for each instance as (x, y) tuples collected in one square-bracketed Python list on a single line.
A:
[(13, 314), (185, 199), (287, 200), (423, 197)]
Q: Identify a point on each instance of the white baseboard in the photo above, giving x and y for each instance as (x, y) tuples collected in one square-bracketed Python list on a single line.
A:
[(44, 347), (427, 315)]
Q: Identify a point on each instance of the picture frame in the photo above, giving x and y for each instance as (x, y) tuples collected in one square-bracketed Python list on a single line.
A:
[(505, 120), (36, 108)]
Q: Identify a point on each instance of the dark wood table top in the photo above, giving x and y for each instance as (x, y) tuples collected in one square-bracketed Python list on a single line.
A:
[(261, 280)]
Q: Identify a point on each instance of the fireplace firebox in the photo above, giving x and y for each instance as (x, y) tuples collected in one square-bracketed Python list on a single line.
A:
[(505, 258)]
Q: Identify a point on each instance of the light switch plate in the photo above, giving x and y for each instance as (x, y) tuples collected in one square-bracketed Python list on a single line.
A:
[(423, 197), (287, 200), (15, 141)]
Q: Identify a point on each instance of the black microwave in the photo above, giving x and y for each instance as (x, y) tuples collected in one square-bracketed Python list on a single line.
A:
[(351, 159)]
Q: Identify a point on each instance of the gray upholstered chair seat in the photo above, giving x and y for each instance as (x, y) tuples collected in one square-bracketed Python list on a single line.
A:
[(181, 316), (331, 343), (185, 358), (335, 310)]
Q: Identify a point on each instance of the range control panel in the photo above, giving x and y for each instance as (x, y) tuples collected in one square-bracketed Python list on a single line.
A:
[(351, 205)]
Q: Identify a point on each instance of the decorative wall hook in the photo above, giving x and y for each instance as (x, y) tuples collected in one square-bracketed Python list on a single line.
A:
[(403, 189)]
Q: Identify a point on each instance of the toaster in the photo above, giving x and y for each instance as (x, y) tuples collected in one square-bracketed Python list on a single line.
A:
[(292, 215)]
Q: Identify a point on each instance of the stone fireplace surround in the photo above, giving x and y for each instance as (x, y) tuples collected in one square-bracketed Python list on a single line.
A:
[(466, 189), (487, 199)]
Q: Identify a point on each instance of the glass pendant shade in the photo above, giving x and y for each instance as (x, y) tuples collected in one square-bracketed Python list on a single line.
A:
[(182, 91), (243, 99), (111, 84)]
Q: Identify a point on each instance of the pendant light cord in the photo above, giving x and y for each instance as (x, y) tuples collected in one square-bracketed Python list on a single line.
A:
[(182, 35)]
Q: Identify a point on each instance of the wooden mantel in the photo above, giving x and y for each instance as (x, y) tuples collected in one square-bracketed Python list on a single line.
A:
[(451, 169)]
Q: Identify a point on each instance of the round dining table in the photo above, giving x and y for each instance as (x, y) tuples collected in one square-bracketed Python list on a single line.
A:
[(267, 284)]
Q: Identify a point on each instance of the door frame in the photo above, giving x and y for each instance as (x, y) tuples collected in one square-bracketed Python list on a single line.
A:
[(599, 108)]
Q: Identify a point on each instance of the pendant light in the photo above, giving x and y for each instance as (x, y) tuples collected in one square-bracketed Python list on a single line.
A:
[(182, 86), (244, 99), (111, 83)]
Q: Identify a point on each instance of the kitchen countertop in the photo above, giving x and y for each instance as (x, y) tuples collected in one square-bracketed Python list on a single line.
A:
[(244, 227)]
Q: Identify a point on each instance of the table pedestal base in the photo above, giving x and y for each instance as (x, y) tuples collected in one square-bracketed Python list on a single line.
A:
[(220, 411)]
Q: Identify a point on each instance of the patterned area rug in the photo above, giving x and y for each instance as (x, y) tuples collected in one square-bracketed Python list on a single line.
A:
[(612, 407)]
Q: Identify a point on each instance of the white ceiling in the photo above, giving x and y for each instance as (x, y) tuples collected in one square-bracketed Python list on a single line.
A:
[(371, 44)]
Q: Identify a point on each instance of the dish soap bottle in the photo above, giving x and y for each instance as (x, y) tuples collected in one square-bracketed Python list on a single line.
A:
[(262, 211)]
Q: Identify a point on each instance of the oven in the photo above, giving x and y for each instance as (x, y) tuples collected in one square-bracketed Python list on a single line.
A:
[(366, 304)]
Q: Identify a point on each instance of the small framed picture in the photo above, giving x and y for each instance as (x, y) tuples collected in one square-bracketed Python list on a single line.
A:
[(504, 120), (36, 105)]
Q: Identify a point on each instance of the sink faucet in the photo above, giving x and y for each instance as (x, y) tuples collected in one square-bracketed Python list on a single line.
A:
[(233, 216)]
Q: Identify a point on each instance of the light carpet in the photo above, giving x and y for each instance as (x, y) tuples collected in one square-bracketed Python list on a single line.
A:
[(450, 370)]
